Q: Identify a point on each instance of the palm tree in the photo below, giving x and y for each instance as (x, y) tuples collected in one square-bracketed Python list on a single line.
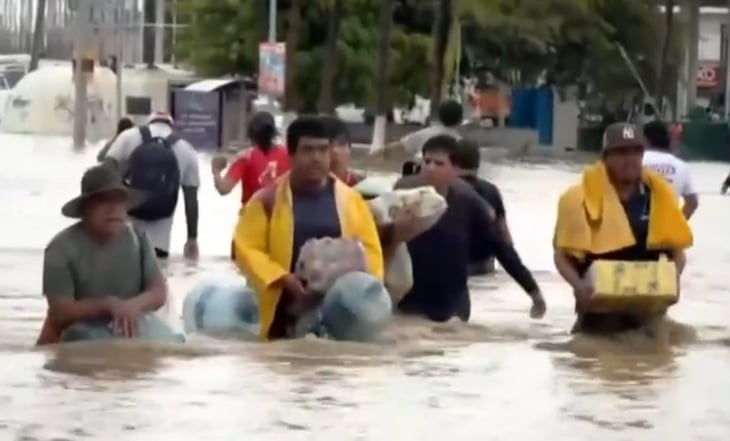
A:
[(381, 120), (294, 19), (326, 102)]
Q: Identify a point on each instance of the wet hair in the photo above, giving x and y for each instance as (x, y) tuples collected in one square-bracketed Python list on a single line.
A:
[(657, 135), (337, 129), (467, 155), (450, 113), (124, 124), (304, 126), (441, 144), (262, 130)]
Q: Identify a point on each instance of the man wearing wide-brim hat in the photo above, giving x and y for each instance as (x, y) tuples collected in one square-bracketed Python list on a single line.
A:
[(101, 278)]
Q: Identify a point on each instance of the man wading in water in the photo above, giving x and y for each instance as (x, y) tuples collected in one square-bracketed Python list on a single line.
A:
[(341, 149), (464, 234), (101, 270), (660, 158), (450, 114), (619, 211), (153, 159), (304, 204), (467, 161)]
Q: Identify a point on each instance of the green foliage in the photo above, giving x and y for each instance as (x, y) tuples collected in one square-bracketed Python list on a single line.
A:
[(518, 41)]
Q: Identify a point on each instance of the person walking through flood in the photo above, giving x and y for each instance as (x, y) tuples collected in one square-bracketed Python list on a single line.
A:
[(341, 150), (660, 158), (306, 203), (620, 210), (153, 159), (450, 115), (100, 275), (123, 124), (467, 162), (255, 167), (465, 233)]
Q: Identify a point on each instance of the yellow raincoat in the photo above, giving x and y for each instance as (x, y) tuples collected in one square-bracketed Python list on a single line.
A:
[(263, 241), (591, 219)]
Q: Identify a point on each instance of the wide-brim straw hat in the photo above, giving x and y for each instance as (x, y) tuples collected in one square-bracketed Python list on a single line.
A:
[(97, 180)]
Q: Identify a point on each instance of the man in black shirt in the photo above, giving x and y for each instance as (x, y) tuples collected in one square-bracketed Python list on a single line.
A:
[(467, 160), (465, 233)]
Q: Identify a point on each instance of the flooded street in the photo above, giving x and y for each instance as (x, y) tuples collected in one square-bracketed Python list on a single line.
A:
[(503, 377)]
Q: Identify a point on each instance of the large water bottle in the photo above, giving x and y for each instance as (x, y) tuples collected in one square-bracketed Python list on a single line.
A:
[(221, 308)]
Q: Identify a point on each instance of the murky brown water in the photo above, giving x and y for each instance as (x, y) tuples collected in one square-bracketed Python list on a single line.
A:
[(503, 377)]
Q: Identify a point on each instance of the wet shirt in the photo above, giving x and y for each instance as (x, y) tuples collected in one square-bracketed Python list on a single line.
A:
[(256, 168), (315, 217), (489, 192), (440, 256), (77, 267)]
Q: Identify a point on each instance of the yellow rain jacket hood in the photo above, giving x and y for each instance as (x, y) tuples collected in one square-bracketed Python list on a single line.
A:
[(591, 219), (263, 241)]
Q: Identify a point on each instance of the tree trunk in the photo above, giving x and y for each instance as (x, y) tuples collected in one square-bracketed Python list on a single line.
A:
[(38, 32), (326, 102), (440, 36), (381, 120), (663, 66), (294, 19)]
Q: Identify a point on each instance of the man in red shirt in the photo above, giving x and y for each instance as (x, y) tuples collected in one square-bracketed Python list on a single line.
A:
[(257, 166), (341, 145)]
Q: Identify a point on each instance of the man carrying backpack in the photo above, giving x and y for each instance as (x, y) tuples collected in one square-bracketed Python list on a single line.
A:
[(155, 160)]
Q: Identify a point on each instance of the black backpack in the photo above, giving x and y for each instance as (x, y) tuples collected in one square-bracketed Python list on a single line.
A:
[(153, 169)]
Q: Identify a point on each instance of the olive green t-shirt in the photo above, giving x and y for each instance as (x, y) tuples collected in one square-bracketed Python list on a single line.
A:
[(77, 267)]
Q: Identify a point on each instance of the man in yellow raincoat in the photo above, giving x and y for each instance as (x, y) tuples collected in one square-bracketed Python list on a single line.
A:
[(306, 203), (619, 211)]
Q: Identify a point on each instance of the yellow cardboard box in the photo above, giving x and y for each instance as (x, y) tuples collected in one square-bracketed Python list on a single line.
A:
[(636, 287)]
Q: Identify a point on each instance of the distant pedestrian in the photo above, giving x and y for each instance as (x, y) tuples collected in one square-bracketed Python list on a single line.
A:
[(123, 124)]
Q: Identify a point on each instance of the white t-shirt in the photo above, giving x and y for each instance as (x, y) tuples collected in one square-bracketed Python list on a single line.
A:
[(674, 170), (158, 231), (413, 142)]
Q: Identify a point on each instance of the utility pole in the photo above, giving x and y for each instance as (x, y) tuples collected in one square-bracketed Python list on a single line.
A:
[(38, 32), (272, 21), (81, 50)]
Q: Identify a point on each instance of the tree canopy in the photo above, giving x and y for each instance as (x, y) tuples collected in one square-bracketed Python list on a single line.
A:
[(563, 42)]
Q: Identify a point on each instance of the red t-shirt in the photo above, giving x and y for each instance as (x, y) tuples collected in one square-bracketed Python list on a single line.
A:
[(256, 169)]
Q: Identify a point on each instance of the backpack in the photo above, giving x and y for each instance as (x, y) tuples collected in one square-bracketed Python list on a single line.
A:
[(153, 169)]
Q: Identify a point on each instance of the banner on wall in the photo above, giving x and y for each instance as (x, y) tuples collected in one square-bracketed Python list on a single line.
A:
[(272, 62)]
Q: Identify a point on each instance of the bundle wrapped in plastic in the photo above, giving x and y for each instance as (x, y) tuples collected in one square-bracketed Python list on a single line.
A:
[(426, 204), (322, 261), (428, 207)]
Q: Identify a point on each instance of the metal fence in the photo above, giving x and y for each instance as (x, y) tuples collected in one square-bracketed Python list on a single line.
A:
[(17, 18)]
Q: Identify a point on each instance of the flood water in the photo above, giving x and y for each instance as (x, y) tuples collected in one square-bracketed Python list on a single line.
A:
[(502, 377)]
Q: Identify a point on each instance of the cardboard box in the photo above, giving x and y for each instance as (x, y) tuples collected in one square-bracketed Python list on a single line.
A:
[(636, 287)]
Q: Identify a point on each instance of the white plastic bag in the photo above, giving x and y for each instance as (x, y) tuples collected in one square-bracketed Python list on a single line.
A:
[(399, 274), (427, 205), (322, 261)]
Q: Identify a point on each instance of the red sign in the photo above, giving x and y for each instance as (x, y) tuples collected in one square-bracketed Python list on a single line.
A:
[(709, 74)]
